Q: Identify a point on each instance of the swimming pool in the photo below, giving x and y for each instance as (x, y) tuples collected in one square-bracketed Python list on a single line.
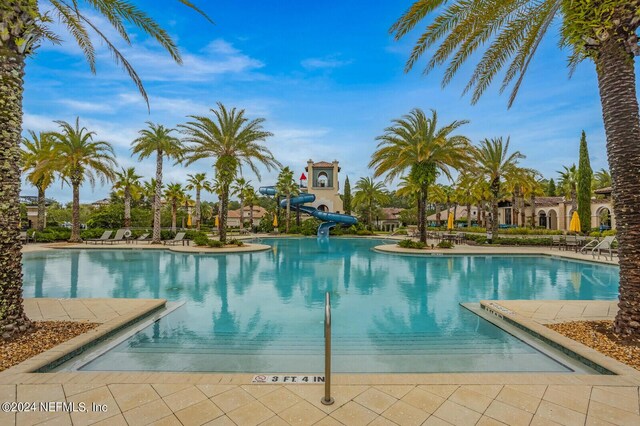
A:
[(263, 312)]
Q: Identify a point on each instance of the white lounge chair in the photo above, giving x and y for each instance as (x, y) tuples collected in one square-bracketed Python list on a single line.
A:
[(604, 246), (179, 238), (120, 236), (589, 246)]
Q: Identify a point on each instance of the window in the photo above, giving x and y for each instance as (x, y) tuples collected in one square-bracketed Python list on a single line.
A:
[(323, 180)]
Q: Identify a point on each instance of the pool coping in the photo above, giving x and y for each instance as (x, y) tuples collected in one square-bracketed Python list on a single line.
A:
[(247, 248), (492, 251)]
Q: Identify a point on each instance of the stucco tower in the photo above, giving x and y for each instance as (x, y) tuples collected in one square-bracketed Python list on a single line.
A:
[(324, 184)]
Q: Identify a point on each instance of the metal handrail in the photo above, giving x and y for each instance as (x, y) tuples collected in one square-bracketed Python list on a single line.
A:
[(326, 399)]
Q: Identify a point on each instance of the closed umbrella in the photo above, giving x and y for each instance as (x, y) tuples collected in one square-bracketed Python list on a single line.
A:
[(189, 220), (217, 221), (275, 221), (450, 221), (574, 225)]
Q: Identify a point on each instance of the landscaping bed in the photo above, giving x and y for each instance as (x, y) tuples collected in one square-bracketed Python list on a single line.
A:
[(599, 335), (45, 335)]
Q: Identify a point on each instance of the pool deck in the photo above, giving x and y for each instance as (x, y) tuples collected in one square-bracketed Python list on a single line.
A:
[(376, 399)]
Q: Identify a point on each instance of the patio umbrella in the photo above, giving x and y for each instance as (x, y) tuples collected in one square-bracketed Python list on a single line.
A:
[(189, 220), (574, 225), (217, 221), (450, 221), (275, 221)]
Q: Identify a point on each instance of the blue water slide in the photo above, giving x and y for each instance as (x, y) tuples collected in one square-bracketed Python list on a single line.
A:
[(330, 219)]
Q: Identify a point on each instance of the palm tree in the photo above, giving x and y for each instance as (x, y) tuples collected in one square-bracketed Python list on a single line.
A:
[(128, 183), (78, 157), (569, 184), (494, 163), (605, 33), (438, 197), (369, 195), (157, 139), (287, 187), (35, 156), (239, 188), (533, 187), (232, 140), (250, 197), (174, 195), (27, 25), (149, 191), (198, 182), (466, 193), (602, 179), (414, 143)]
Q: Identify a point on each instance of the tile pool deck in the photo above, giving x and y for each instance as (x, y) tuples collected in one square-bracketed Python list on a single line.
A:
[(376, 399)]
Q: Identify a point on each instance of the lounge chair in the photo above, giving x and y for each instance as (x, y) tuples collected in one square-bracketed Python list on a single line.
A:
[(603, 246), (588, 246), (142, 238), (571, 241), (179, 238), (25, 237), (105, 236), (120, 236), (556, 240)]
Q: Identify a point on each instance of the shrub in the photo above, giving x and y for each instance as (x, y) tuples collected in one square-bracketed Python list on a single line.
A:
[(92, 233), (236, 242), (309, 226), (201, 240), (401, 232), (522, 241), (216, 244), (364, 232), (445, 244), (52, 234), (609, 233), (410, 244), (167, 235)]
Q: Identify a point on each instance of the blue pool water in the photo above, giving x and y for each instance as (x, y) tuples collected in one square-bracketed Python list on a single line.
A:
[(263, 312)]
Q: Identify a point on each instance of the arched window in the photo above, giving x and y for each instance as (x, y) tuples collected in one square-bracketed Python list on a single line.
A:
[(323, 208), (542, 219), (323, 180)]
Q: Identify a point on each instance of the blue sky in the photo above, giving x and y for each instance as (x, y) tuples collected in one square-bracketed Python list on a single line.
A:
[(326, 76)]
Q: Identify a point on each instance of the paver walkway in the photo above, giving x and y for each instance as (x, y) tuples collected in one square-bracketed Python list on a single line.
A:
[(120, 398)]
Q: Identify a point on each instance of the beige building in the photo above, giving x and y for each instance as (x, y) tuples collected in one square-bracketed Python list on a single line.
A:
[(233, 216), (322, 181), (389, 219)]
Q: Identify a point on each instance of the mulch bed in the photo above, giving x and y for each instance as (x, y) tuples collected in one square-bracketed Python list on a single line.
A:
[(45, 335), (599, 335)]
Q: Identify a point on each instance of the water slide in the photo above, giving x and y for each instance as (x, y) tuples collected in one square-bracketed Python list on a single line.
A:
[(329, 219)]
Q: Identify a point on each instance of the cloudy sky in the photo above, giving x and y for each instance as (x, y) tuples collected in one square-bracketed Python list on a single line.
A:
[(326, 76)]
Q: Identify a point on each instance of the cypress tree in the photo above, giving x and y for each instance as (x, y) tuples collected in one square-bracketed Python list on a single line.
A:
[(551, 188), (346, 198), (585, 174)]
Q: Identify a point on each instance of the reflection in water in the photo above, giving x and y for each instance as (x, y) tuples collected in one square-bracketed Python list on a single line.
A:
[(263, 311)]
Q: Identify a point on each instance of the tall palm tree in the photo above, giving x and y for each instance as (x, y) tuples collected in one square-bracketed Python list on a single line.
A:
[(233, 140), (414, 143), (569, 184), (128, 183), (36, 154), (466, 193), (27, 22), (438, 197), (494, 163), (605, 33), (175, 196), (149, 191), (287, 187), (78, 157), (158, 140), (198, 182), (239, 188), (369, 195)]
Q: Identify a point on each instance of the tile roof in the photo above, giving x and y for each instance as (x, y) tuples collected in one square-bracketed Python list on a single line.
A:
[(258, 212)]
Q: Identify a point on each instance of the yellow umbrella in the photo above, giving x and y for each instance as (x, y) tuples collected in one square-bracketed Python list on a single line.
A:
[(574, 225), (189, 220), (450, 221), (275, 221), (217, 221)]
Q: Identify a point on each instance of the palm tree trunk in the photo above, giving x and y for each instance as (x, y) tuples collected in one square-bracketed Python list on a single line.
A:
[(174, 216), (198, 212), (224, 206), (75, 215), (13, 320), (288, 211), (469, 215), (241, 213), (127, 207), (616, 81), (157, 200), (251, 215), (495, 192), (41, 208), (533, 211), (422, 214)]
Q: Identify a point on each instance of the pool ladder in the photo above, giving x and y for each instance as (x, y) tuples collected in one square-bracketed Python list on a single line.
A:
[(326, 399)]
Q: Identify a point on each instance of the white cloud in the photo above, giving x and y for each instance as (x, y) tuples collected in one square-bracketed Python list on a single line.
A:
[(329, 62), (77, 107)]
